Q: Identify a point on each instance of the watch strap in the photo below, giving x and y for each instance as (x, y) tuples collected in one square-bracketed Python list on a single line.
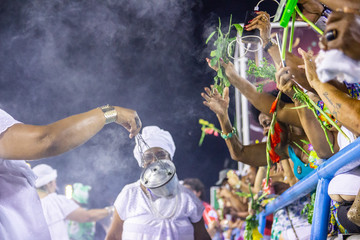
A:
[(270, 43)]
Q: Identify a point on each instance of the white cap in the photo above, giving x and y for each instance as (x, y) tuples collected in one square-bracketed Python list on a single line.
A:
[(45, 174), (154, 137)]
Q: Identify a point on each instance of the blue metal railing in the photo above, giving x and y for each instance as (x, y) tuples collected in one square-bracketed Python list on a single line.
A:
[(345, 160)]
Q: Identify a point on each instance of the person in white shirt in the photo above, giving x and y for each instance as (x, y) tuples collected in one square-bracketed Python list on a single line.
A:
[(21, 215), (57, 208), (141, 214)]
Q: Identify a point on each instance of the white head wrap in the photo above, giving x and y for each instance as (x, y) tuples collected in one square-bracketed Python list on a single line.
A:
[(45, 174), (334, 64), (154, 137)]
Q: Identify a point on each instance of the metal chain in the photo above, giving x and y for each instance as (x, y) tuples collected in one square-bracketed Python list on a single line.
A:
[(155, 211), (139, 141)]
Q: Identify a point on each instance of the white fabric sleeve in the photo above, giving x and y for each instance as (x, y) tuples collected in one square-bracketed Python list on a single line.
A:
[(121, 202), (6, 121), (194, 206), (67, 205)]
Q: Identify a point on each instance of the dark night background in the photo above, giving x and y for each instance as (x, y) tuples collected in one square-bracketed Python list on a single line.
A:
[(64, 57)]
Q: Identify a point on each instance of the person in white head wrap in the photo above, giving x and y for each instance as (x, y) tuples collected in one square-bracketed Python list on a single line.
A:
[(154, 137), (57, 208), (140, 214)]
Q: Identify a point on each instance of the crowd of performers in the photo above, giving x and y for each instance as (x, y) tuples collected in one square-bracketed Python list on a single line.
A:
[(31, 209)]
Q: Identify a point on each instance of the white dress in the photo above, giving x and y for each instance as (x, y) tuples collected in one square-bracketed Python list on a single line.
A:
[(21, 215), (56, 209), (141, 221)]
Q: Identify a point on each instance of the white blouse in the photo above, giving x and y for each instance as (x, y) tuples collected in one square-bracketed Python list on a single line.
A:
[(56, 209), (142, 222)]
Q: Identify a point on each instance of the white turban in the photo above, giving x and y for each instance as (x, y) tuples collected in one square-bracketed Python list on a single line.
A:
[(154, 137), (45, 174)]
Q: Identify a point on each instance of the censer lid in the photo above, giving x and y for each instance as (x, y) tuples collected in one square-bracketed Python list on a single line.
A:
[(158, 174)]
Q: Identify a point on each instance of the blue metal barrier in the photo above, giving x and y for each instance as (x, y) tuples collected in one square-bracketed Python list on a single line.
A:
[(345, 160)]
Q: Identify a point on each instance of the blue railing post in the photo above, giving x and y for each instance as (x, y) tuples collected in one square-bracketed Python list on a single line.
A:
[(320, 219), (343, 161), (262, 223)]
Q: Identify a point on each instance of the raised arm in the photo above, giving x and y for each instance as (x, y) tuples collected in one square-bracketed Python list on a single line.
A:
[(262, 22), (253, 155), (28, 142), (261, 101), (344, 108)]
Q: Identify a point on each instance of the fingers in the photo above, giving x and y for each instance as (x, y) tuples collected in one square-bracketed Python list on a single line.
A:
[(282, 71), (261, 21), (206, 97), (226, 93), (223, 64), (256, 24), (306, 56), (263, 13), (208, 91), (282, 76), (209, 63), (133, 125), (206, 103)]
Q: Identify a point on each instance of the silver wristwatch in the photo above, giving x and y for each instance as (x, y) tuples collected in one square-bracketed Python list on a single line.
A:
[(110, 113)]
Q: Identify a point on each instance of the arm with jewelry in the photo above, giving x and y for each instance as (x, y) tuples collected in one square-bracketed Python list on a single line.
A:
[(261, 101), (271, 46), (23, 141), (254, 154), (343, 107)]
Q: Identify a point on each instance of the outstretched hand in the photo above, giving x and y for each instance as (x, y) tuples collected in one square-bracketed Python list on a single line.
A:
[(233, 178), (229, 68), (261, 22), (285, 81), (129, 119), (310, 67), (217, 103)]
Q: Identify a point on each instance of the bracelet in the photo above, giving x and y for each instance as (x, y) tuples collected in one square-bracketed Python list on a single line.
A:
[(110, 210), (110, 113), (229, 135), (269, 45)]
